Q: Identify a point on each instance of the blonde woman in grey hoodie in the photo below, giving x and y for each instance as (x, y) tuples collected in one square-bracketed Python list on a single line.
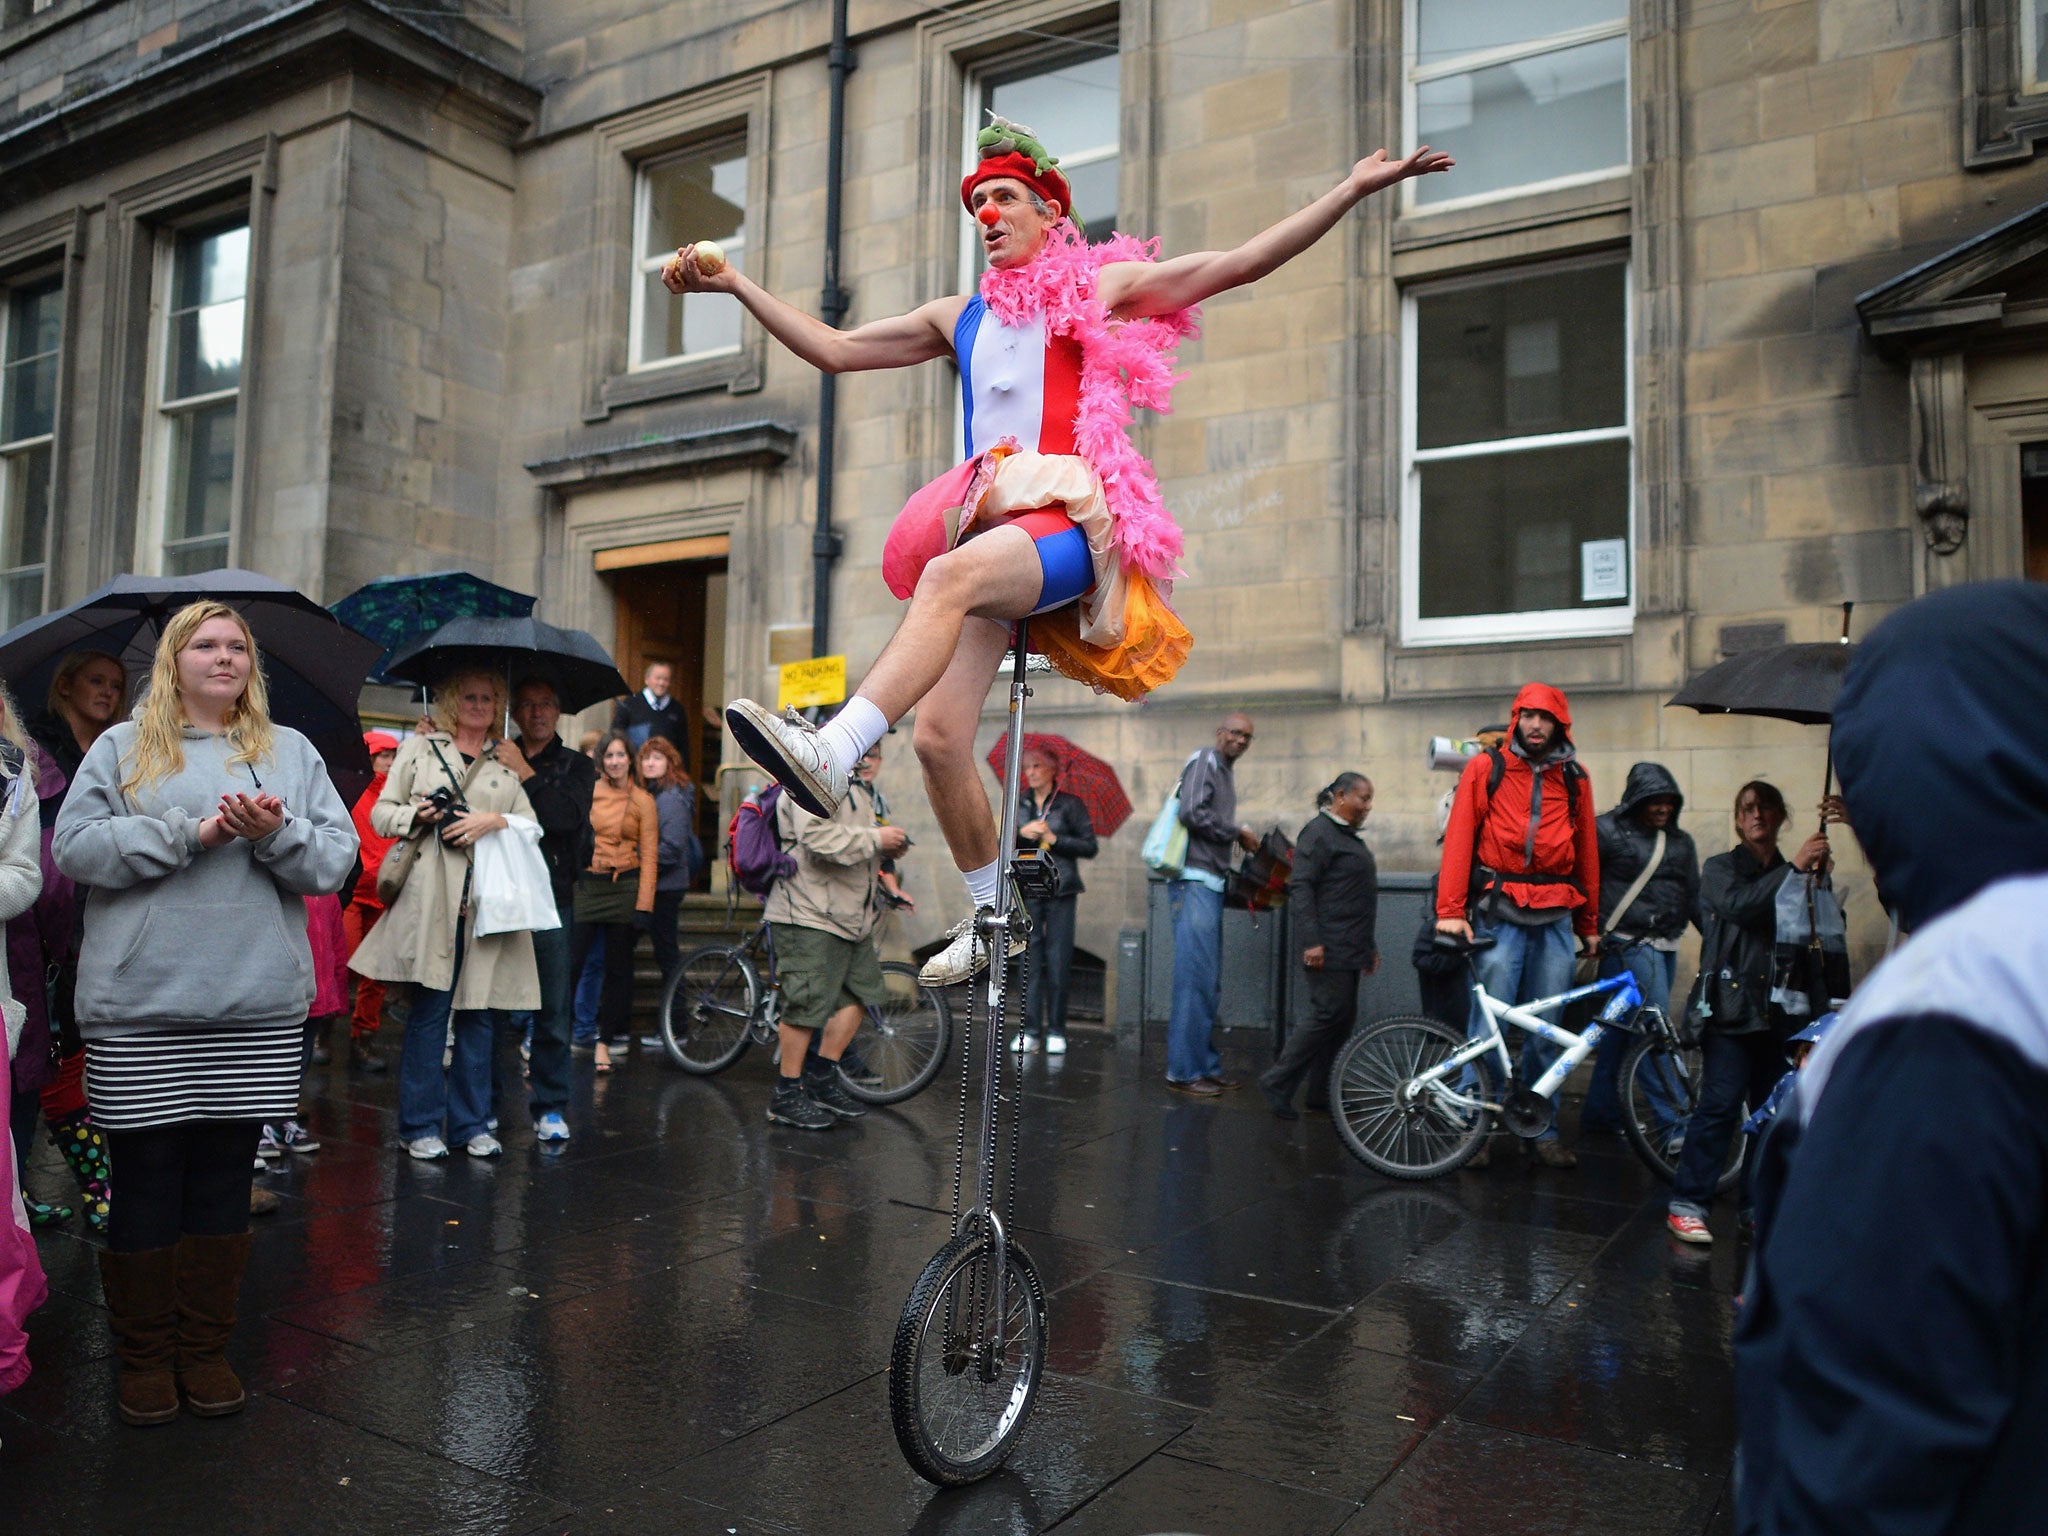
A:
[(201, 827)]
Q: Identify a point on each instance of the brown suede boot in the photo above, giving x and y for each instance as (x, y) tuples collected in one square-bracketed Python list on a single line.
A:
[(141, 1293), (209, 1282)]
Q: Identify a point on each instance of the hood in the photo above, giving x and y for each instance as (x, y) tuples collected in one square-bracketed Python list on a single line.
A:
[(1546, 698), (1937, 736), (1649, 781)]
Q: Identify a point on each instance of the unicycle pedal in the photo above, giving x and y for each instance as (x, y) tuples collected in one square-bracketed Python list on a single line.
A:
[(1037, 877)]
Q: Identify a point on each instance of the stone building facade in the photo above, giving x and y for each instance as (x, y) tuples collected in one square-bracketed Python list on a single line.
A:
[(1731, 313)]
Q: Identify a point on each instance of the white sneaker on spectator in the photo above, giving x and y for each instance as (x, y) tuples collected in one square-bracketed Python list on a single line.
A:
[(551, 1127), (1024, 1045), (787, 745), (485, 1145), (1055, 1045), (427, 1149)]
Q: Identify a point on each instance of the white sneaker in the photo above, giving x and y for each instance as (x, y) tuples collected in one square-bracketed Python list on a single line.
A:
[(551, 1127), (1055, 1045), (427, 1149), (485, 1145), (1024, 1045), (787, 745), (966, 953)]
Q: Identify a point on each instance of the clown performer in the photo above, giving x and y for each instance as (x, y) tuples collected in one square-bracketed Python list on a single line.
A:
[(1054, 517)]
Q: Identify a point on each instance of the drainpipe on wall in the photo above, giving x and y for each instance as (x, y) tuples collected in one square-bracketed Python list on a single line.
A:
[(832, 306)]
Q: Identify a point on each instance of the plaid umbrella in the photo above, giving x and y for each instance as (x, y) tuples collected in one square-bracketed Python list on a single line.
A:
[(1080, 773), (393, 610)]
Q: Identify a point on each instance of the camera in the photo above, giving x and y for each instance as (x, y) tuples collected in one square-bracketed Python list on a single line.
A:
[(448, 802)]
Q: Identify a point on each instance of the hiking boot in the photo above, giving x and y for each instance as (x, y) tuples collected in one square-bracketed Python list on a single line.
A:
[(790, 1105), (966, 953), (1552, 1153), (824, 1089), (787, 746)]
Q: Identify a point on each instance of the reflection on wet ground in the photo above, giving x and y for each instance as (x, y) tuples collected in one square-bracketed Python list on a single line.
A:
[(681, 1323)]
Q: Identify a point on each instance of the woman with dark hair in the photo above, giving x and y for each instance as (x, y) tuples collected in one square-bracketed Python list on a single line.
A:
[(677, 851), (201, 827), (1334, 892), (1743, 1045), (1061, 826), (614, 893)]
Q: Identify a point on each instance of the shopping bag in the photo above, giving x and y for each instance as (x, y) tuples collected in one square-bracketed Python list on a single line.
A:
[(511, 888), (1810, 963), (1165, 850)]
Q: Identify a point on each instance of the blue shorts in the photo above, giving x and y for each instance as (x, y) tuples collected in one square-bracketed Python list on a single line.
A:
[(1068, 569)]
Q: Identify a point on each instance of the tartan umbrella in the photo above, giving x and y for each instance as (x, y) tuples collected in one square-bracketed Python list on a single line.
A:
[(393, 610), (1079, 773)]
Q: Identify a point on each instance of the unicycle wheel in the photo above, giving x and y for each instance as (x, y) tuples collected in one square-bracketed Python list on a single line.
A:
[(959, 1389)]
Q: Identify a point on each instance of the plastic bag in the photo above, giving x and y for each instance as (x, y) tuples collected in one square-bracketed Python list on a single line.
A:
[(1165, 849), (1810, 965), (511, 888)]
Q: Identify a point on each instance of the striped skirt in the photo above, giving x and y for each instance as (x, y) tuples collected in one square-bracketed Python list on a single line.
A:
[(139, 1082)]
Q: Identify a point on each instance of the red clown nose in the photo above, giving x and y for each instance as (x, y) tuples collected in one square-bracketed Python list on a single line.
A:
[(988, 215)]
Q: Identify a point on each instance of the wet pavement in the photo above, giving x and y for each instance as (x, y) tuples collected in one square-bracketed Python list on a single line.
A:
[(681, 1323)]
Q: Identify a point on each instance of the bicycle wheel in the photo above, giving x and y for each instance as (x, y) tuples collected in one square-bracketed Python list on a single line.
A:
[(707, 1006), (1660, 1087), (958, 1406), (1383, 1125), (904, 1041)]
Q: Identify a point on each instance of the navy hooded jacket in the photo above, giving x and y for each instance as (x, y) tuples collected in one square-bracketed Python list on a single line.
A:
[(1892, 1356)]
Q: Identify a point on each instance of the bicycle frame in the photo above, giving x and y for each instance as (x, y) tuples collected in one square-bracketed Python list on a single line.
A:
[(1575, 1048)]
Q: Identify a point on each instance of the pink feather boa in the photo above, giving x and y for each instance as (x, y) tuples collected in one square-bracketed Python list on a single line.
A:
[(1124, 363)]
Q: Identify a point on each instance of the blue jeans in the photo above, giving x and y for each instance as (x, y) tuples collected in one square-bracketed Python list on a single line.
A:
[(1197, 980), (590, 990), (548, 1070), (1654, 970), (1524, 964), (461, 1094)]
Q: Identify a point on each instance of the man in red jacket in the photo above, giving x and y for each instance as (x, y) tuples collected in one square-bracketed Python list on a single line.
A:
[(1521, 862)]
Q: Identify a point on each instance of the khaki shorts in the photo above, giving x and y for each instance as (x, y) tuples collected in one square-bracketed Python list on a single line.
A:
[(822, 973)]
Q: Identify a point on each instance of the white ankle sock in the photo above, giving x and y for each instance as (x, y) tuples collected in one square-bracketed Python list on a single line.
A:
[(849, 734), (983, 883)]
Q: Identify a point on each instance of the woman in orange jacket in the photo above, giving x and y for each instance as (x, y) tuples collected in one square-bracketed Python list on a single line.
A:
[(615, 889)]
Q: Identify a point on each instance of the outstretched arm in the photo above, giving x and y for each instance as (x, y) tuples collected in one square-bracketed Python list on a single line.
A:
[(898, 342), (1134, 289)]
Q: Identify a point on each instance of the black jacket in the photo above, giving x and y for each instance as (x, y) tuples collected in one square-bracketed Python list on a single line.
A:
[(52, 733), (1208, 809), (639, 720), (1334, 895), (560, 791), (1891, 1358), (1739, 920), (1672, 897), (1073, 832)]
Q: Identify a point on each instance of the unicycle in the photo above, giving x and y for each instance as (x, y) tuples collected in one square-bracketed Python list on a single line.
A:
[(970, 1345)]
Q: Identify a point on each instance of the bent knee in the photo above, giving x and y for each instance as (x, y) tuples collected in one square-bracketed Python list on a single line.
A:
[(938, 742), (947, 579)]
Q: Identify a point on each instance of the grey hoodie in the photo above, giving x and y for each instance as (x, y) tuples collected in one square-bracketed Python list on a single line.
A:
[(177, 936)]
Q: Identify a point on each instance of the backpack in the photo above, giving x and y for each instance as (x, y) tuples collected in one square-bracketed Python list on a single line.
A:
[(1485, 881), (753, 849)]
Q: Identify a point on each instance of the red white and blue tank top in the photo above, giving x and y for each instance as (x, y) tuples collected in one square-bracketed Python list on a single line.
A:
[(1015, 382)]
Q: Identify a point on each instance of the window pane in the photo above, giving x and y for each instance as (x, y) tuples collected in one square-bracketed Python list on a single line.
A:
[(210, 266), (30, 389), (1534, 355), (205, 351), (1557, 114), (672, 326), (35, 318), (26, 513), (2036, 44), (1074, 110), (202, 474), (21, 597), (1501, 533), (695, 197), (1449, 28), (191, 559)]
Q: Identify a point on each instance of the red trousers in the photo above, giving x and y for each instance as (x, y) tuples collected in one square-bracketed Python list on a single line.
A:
[(357, 919)]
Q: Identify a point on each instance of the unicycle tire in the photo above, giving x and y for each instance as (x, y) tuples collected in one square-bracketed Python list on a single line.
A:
[(904, 1041), (708, 1005), (1402, 1139), (953, 1426)]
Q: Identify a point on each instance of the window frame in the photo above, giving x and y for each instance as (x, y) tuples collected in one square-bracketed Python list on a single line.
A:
[(1534, 624), (2032, 20), (158, 415), (19, 448), (1414, 75), (636, 302)]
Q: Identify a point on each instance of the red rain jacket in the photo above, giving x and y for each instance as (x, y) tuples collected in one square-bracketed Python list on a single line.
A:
[(374, 844), (1495, 832)]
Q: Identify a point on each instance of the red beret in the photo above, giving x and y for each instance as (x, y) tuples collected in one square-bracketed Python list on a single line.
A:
[(1048, 184), (379, 741)]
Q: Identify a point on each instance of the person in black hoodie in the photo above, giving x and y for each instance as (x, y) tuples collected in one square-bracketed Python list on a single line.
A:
[(1334, 892), (1060, 824), (1891, 1358), (1644, 939)]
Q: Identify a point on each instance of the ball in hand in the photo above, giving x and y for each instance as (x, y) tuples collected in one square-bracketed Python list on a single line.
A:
[(710, 257)]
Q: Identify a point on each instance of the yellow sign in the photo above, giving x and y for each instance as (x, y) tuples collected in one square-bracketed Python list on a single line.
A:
[(821, 680)]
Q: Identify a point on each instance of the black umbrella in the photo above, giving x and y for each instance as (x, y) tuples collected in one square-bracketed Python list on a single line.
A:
[(580, 669), (314, 664), (1784, 682)]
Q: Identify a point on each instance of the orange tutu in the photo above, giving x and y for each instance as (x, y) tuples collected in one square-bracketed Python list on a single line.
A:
[(1154, 645)]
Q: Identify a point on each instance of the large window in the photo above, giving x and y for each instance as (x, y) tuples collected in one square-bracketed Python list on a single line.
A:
[(196, 381), (700, 194), (1517, 456), (1522, 93), (31, 332)]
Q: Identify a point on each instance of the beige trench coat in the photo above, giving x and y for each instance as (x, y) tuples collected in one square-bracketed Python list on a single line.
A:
[(415, 940)]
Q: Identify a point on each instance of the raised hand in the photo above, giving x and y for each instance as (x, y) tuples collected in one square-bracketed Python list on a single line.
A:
[(683, 273), (1378, 169)]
